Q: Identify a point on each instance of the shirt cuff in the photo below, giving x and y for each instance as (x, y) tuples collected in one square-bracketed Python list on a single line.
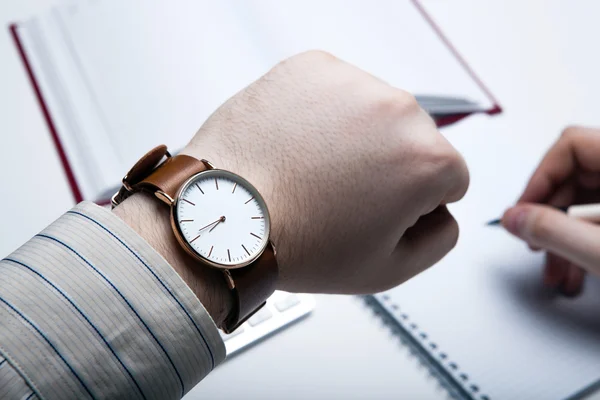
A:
[(92, 311)]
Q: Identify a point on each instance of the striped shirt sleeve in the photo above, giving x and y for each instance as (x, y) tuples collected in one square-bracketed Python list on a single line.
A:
[(89, 310)]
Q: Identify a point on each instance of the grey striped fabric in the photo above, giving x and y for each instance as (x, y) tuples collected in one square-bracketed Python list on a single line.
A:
[(89, 310), (12, 385)]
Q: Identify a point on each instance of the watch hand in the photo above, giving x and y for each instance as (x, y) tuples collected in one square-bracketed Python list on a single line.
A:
[(222, 219), (212, 223)]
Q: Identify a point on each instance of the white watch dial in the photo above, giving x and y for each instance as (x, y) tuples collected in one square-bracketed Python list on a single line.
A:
[(222, 218)]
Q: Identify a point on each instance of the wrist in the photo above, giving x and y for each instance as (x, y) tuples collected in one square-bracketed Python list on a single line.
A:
[(151, 220)]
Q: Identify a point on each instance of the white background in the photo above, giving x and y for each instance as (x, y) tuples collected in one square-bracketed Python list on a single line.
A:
[(538, 57)]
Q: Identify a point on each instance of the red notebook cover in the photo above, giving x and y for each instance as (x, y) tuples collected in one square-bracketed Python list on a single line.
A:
[(444, 121)]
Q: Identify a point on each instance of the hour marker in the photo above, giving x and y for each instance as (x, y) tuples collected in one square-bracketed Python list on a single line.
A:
[(234, 186), (229, 255), (246, 249), (191, 241), (249, 200), (216, 183), (256, 236), (187, 201), (186, 220), (258, 217), (199, 188), (210, 252)]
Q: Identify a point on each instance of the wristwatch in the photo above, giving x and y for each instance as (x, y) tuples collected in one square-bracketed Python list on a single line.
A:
[(219, 219)]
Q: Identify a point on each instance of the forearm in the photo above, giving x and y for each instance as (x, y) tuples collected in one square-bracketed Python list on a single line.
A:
[(89, 309)]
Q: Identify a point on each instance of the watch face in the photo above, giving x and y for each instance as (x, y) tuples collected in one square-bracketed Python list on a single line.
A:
[(222, 219)]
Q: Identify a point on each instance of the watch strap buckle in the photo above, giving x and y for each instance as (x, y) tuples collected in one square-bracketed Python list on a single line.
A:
[(143, 168)]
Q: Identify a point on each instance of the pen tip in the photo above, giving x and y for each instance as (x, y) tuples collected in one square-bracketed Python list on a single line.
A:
[(494, 222)]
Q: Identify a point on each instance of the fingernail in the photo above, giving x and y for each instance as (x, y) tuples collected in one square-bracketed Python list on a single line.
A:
[(514, 221)]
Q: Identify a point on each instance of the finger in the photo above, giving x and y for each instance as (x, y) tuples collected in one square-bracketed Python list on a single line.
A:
[(555, 270), (424, 244), (572, 285), (456, 176), (576, 240), (561, 273), (563, 196), (589, 180), (577, 147)]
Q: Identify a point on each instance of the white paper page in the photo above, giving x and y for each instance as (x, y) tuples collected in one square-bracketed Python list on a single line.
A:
[(70, 104), (159, 69), (484, 305), (389, 39)]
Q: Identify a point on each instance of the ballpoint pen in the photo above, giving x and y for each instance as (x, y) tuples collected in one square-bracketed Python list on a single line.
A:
[(588, 212)]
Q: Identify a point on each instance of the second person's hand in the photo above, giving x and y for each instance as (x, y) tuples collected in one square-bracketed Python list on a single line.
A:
[(568, 174)]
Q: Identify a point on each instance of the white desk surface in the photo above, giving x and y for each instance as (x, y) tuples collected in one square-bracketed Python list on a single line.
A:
[(519, 49)]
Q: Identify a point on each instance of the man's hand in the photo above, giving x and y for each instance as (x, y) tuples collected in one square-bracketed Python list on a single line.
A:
[(354, 172), (568, 174)]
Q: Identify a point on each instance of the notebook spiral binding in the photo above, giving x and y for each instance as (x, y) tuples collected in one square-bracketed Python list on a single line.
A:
[(407, 332)]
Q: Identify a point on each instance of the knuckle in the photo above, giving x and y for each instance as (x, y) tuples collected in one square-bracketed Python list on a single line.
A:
[(453, 162), (399, 102), (462, 177), (452, 170), (571, 131)]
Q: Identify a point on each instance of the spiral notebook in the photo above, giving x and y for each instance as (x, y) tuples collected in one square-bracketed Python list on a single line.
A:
[(497, 334), (481, 319), (117, 77)]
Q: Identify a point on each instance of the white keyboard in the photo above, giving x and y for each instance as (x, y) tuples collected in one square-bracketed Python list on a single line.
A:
[(282, 309)]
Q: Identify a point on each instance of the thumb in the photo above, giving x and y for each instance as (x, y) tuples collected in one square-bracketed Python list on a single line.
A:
[(550, 229)]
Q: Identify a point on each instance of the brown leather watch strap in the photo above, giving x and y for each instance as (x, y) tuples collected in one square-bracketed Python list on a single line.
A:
[(171, 174), (148, 174), (248, 296)]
